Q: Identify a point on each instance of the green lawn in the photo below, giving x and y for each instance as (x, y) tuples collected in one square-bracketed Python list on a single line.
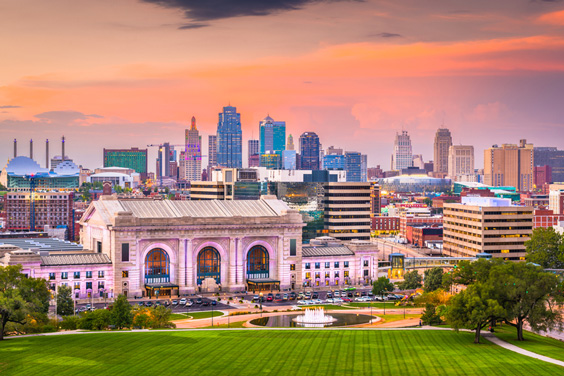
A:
[(236, 324), (195, 315), (392, 318), (387, 305), (550, 347), (266, 352)]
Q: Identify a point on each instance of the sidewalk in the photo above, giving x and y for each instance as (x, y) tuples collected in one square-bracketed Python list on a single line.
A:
[(508, 346)]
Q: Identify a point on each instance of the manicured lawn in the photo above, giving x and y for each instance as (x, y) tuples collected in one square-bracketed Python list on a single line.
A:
[(550, 347), (232, 325), (195, 315), (266, 352), (387, 305), (392, 318)]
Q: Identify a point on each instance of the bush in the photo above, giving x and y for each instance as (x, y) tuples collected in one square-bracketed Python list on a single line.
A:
[(70, 322), (95, 320)]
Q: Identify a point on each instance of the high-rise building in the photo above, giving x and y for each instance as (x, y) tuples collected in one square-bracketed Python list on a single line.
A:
[(347, 210), (229, 138), (402, 158), (443, 141), (133, 158), (375, 202), (363, 167), (486, 225), (212, 150), (192, 164), (290, 145), (461, 162), (551, 156), (334, 162), (289, 159), (272, 136), (353, 161), (309, 151), (333, 150), (253, 149), (510, 165), (271, 161)]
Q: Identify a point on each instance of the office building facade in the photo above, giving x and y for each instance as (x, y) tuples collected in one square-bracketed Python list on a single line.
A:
[(552, 157), (347, 210), (461, 163), (193, 153), (443, 142), (402, 156), (353, 162), (229, 138), (510, 165), (309, 151), (133, 158)]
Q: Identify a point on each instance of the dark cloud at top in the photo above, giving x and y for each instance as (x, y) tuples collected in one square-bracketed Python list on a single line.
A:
[(193, 26), (4, 107), (208, 10), (388, 35)]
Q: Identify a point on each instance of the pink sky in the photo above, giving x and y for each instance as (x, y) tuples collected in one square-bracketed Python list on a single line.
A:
[(122, 74)]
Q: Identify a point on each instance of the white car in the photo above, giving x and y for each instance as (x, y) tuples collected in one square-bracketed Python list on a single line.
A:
[(329, 300), (182, 301), (317, 301), (301, 302), (338, 300), (336, 294)]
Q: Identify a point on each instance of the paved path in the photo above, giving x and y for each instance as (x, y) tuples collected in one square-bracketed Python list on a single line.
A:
[(508, 346)]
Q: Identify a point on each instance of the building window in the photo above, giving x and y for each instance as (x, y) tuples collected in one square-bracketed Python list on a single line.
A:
[(100, 285), (77, 285), (64, 275), (317, 265), (124, 274), (308, 275), (346, 273), (365, 262), (317, 275), (346, 264), (337, 274), (293, 247), (292, 266), (308, 265), (88, 274), (51, 276), (99, 247), (125, 252), (366, 273), (100, 274), (336, 264), (53, 287), (88, 285), (76, 275), (327, 265), (327, 275)]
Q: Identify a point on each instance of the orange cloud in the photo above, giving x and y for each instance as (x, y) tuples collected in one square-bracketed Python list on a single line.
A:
[(553, 18)]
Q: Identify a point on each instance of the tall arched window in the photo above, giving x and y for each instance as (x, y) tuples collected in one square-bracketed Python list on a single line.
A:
[(258, 263), (157, 266), (209, 265)]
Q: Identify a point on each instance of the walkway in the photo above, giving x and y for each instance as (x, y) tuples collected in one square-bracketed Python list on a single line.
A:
[(506, 345)]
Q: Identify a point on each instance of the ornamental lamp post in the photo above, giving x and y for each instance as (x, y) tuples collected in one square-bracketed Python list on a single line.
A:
[(260, 300)]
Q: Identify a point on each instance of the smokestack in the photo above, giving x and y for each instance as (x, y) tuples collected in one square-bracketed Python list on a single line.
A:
[(31, 149), (47, 154), (63, 147), (15, 148)]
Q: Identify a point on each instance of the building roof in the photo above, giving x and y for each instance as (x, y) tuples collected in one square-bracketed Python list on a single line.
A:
[(194, 209), (326, 251), (76, 259), (43, 244)]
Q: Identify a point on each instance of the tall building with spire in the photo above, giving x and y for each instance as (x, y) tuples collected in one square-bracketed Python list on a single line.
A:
[(290, 145), (229, 138), (191, 167), (402, 157), (443, 141)]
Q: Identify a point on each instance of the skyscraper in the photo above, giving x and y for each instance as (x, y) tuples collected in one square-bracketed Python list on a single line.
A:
[(363, 167), (353, 160), (510, 165), (461, 163), (212, 150), (133, 158), (402, 157), (272, 136), (309, 151), (193, 153), (443, 141), (290, 145), (229, 138), (253, 149), (551, 156)]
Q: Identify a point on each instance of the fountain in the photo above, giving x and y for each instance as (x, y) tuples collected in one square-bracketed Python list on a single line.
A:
[(314, 317)]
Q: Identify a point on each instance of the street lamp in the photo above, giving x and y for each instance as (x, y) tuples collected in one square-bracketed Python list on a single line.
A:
[(260, 300), (212, 315)]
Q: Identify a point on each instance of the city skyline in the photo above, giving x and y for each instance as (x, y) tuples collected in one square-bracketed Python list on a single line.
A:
[(494, 68)]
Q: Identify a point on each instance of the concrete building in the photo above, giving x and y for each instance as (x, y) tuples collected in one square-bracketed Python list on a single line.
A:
[(552, 157), (253, 149), (556, 201), (170, 247), (347, 210), (290, 144), (115, 178), (402, 156), (212, 151), (134, 158), (484, 224), (461, 163), (289, 159), (510, 165), (443, 142)]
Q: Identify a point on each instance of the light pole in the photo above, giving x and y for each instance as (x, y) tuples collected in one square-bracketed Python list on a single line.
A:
[(212, 315), (260, 300)]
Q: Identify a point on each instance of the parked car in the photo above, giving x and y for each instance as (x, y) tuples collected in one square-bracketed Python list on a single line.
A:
[(149, 304), (157, 303), (346, 300), (189, 303), (357, 294), (329, 295), (330, 300), (370, 293), (255, 299), (308, 294), (350, 294), (315, 295), (174, 303), (278, 297), (205, 304), (293, 296), (270, 297), (337, 294), (301, 302), (214, 302), (182, 301), (364, 293), (285, 297), (141, 304), (301, 295), (88, 307), (317, 301), (199, 301), (337, 300)]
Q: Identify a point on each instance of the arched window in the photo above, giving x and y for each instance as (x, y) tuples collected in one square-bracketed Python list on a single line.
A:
[(209, 265), (258, 263), (157, 266)]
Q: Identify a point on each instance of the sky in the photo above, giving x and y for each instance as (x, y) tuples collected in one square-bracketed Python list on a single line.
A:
[(128, 73)]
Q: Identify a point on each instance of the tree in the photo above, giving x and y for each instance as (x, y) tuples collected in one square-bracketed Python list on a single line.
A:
[(3, 188), (433, 279), (65, 303), (381, 286), (411, 280), (474, 308), (20, 296), (528, 294), (161, 318), (118, 189), (121, 315), (546, 248), (429, 315)]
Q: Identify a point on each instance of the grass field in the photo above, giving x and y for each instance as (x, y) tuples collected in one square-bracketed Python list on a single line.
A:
[(266, 352), (388, 305), (550, 347), (232, 325), (392, 318), (195, 315)]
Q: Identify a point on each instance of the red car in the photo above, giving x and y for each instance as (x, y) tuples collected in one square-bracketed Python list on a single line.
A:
[(269, 297), (348, 300)]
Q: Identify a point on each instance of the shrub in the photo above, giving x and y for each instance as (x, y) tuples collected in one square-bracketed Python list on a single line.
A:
[(70, 322)]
